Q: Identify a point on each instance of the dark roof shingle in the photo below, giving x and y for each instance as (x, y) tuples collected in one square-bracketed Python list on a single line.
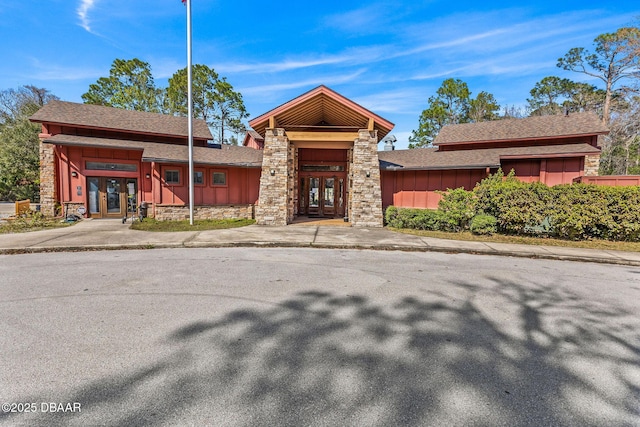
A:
[(537, 127), (228, 155), (431, 158), (117, 119)]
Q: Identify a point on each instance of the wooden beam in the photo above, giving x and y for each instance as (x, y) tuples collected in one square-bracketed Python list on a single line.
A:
[(322, 136), (272, 122), (370, 126)]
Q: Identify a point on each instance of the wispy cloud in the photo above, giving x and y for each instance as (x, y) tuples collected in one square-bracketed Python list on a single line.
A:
[(83, 13), (53, 72), (393, 101), (286, 65), (277, 89)]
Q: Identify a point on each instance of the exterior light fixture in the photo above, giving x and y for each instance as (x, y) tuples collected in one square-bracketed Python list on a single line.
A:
[(368, 174), (148, 175), (272, 172), (74, 174)]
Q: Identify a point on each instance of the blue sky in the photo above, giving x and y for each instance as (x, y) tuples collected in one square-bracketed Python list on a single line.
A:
[(389, 56)]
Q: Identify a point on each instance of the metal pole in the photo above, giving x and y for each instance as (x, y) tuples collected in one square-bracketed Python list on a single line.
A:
[(190, 111)]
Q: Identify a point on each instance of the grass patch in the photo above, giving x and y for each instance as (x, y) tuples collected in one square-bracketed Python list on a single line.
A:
[(526, 240), (31, 222), (150, 224)]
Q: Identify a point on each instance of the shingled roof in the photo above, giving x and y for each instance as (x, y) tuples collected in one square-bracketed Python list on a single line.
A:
[(117, 119), (228, 155), (537, 127), (432, 159)]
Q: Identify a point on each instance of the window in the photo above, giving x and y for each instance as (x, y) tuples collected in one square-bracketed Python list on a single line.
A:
[(219, 178), (172, 176), (198, 177), (101, 166)]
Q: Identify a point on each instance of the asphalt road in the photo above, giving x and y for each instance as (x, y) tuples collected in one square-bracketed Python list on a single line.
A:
[(257, 336)]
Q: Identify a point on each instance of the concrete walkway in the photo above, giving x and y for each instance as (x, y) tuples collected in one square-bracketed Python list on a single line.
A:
[(112, 234)]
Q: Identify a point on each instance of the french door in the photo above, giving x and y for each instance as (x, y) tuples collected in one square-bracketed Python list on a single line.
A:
[(322, 196), (110, 197)]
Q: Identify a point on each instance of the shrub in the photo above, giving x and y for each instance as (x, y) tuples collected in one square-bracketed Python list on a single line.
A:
[(518, 206), (418, 219), (390, 215), (484, 224), (457, 207), (577, 211)]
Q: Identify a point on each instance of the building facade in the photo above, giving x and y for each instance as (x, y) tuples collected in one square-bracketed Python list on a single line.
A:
[(314, 156)]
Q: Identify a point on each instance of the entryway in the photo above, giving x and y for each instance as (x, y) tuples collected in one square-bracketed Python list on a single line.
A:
[(108, 197), (322, 196)]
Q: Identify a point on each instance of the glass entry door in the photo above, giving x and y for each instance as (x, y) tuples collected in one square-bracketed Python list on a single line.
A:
[(114, 196), (314, 196), (108, 196), (329, 197), (321, 196)]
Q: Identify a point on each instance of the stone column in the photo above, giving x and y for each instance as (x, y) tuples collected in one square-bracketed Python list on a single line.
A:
[(591, 165), (273, 202), (292, 190), (365, 201), (47, 179)]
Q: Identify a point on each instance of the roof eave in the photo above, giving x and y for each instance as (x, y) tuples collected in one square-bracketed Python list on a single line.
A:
[(383, 123), (89, 145), (458, 167), (199, 162), (133, 132), (536, 138)]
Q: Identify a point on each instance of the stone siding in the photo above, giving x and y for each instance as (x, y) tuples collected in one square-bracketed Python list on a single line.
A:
[(292, 184), (71, 208), (365, 197), (591, 165), (180, 212), (47, 179), (273, 203)]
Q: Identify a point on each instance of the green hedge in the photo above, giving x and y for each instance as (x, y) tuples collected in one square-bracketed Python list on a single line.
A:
[(578, 211)]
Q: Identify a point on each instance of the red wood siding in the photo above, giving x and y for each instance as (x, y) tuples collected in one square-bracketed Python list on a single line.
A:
[(526, 170), (310, 155), (418, 189), (242, 186), (610, 180), (74, 159), (548, 171)]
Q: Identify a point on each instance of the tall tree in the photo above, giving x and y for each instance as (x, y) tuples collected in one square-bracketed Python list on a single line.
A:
[(19, 143), (214, 100), (449, 106), (129, 86), (452, 104), (483, 108), (616, 57), (547, 96), (621, 148), (555, 95)]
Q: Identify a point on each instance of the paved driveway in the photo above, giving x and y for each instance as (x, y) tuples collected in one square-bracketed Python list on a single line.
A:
[(254, 336)]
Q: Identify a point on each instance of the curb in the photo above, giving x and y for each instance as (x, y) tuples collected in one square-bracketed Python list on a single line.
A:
[(258, 244)]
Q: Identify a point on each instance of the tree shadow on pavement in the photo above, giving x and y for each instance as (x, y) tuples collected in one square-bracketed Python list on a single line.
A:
[(499, 355)]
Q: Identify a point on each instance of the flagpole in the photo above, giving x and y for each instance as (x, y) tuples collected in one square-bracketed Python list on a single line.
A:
[(190, 111)]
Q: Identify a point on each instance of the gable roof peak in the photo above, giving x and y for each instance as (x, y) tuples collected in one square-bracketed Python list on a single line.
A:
[(321, 105)]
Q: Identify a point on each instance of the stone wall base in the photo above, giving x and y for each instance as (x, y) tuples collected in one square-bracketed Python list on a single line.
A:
[(180, 212), (591, 165), (71, 208)]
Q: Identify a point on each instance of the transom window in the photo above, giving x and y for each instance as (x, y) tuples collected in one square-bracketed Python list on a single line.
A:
[(198, 177), (103, 166)]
